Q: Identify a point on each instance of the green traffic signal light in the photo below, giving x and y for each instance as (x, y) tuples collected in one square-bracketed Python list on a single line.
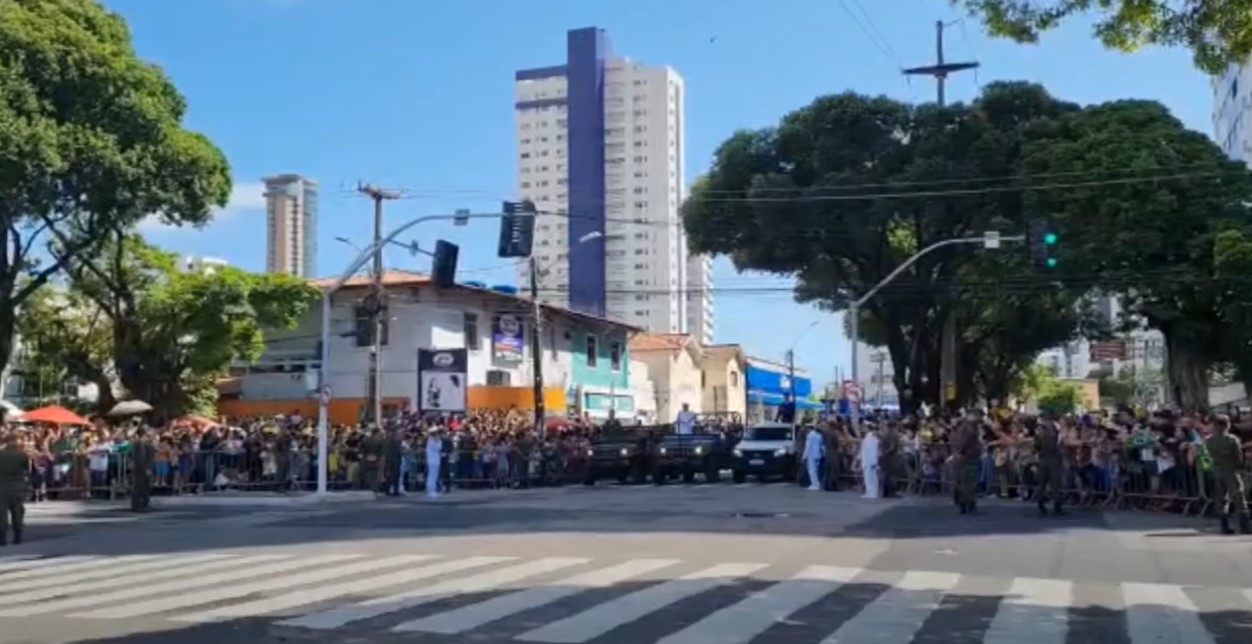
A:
[(1049, 239), (1051, 262)]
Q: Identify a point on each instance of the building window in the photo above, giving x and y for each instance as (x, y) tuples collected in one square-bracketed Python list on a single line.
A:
[(592, 351), (704, 379), (469, 325), (734, 379), (615, 356)]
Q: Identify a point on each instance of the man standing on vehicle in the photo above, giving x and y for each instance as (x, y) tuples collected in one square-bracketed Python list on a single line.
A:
[(686, 422)]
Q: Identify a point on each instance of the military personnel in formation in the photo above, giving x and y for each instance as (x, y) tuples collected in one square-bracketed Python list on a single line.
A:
[(1048, 449), (967, 449), (142, 462), (1227, 456), (14, 469)]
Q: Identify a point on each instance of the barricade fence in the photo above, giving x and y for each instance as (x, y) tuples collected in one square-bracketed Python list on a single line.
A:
[(1185, 487)]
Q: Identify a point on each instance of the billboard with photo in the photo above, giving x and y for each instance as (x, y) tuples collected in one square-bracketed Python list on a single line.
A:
[(441, 380)]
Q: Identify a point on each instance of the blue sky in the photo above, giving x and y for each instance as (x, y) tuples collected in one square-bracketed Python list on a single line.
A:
[(417, 95)]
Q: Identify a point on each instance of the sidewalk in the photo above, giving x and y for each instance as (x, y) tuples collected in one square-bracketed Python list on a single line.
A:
[(215, 499)]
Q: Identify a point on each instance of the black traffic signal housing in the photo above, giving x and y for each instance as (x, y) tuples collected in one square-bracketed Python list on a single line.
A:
[(443, 268), (1041, 242), (517, 229)]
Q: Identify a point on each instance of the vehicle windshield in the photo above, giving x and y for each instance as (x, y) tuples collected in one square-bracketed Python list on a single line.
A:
[(767, 434)]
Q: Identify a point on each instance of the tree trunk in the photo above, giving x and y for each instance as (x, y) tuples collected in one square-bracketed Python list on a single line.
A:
[(8, 325), (1188, 374)]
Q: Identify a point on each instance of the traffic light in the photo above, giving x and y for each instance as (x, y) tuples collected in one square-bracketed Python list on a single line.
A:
[(517, 229), (1041, 240), (443, 268)]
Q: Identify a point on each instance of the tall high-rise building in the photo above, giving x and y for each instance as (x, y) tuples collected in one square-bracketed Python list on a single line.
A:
[(1232, 100), (291, 225), (601, 147)]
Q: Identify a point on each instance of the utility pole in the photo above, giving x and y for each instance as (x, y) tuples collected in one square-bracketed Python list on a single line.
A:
[(791, 383), (376, 306), (940, 71), (536, 349)]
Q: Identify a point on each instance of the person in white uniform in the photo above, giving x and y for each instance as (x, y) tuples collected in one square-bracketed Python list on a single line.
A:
[(814, 449), (434, 450), (869, 464), (686, 422)]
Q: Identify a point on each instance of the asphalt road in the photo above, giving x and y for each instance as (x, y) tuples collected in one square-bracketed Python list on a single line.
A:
[(675, 565)]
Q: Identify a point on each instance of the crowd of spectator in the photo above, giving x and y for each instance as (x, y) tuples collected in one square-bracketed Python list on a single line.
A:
[(1154, 461)]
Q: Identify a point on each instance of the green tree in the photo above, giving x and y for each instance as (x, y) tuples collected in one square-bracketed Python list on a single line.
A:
[(844, 190), (90, 140), (172, 334), (1143, 221), (68, 339), (1050, 394), (1218, 32)]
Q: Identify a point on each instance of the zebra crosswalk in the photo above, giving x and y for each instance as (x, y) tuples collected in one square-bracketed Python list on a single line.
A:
[(574, 600)]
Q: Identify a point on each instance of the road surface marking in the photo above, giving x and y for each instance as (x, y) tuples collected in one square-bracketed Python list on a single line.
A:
[(1162, 613), (1035, 611), (897, 614), (64, 565), (231, 591), (177, 586), (130, 578), (601, 619), (116, 571), (475, 615), (270, 605), (18, 563), (337, 617), (739, 623)]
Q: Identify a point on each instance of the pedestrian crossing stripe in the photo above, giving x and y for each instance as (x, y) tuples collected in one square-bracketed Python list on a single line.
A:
[(475, 594)]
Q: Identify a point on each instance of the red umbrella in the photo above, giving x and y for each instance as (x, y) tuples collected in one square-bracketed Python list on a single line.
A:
[(556, 423), (54, 415)]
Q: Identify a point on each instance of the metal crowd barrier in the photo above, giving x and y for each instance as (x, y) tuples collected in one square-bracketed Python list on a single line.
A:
[(1185, 488)]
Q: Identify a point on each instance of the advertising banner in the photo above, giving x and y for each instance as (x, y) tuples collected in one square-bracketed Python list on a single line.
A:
[(441, 379), (507, 339)]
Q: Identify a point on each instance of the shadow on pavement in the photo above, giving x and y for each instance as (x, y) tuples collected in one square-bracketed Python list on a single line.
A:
[(203, 527)]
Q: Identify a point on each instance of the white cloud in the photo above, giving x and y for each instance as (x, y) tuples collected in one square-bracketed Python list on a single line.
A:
[(245, 197)]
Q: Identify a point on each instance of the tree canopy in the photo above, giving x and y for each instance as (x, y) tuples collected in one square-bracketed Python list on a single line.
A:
[(844, 190), (91, 140), (135, 324), (1218, 32)]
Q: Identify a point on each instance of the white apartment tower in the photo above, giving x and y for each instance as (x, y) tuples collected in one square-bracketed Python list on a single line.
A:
[(601, 146), (291, 225)]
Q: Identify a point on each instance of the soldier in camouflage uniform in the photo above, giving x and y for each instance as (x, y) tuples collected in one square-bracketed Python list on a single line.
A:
[(1227, 457), (142, 462), (1048, 449), (14, 468), (967, 452)]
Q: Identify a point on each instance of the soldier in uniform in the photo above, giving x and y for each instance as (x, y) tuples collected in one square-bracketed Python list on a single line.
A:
[(392, 453), (967, 449), (142, 460), (14, 468), (1227, 456), (831, 438), (1048, 450)]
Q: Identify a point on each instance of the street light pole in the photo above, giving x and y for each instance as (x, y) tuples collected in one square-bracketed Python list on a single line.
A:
[(990, 239), (323, 407)]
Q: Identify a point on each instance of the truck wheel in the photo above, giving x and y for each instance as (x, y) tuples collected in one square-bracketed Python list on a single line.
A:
[(658, 476), (739, 476), (689, 476), (712, 474)]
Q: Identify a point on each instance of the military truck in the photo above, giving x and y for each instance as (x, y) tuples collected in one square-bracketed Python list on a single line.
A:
[(620, 455), (685, 456)]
